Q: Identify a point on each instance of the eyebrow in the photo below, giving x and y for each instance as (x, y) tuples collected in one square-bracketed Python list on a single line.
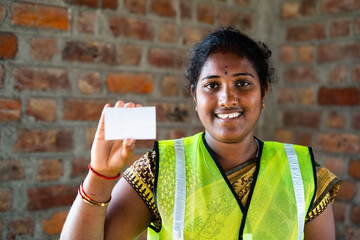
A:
[(234, 75)]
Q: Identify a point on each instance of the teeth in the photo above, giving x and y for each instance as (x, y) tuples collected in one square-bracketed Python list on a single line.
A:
[(230, 115)]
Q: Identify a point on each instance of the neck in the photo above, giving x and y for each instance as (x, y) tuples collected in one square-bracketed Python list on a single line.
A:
[(231, 155)]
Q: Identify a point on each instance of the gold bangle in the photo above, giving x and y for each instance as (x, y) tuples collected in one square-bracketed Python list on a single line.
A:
[(90, 201)]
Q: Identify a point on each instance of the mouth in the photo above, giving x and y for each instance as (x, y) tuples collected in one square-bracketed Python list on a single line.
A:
[(228, 115)]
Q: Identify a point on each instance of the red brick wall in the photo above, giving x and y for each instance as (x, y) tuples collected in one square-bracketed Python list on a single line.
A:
[(60, 62), (318, 97)]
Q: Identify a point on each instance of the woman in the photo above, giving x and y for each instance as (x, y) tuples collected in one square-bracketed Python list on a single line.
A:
[(220, 184)]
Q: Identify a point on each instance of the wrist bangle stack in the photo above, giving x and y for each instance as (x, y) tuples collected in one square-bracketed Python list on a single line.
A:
[(102, 176), (90, 201)]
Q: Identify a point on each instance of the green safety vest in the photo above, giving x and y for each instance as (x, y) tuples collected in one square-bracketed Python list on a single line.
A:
[(196, 200)]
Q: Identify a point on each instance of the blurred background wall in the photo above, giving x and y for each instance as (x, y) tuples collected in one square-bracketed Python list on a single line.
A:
[(62, 60)]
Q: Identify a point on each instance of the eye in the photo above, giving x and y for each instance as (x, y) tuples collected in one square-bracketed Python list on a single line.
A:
[(212, 85), (242, 83)]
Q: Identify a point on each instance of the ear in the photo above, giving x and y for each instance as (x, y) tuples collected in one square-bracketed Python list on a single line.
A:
[(265, 92), (193, 92)]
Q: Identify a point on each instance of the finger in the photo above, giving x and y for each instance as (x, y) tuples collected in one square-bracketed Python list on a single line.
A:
[(139, 105), (119, 104), (100, 129), (129, 105)]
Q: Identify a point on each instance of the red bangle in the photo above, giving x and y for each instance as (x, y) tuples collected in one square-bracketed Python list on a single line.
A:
[(90, 201), (102, 176)]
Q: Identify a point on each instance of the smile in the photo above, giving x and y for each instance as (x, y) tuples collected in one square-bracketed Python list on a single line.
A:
[(228, 115)]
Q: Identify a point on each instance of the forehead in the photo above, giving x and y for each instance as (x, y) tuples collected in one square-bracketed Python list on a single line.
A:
[(219, 60)]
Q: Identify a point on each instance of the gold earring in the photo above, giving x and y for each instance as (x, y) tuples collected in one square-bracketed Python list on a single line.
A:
[(263, 106)]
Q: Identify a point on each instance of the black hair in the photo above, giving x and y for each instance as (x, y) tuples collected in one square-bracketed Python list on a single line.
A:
[(229, 38)]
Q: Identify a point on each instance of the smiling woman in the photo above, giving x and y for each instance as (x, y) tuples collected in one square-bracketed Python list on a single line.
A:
[(223, 183)]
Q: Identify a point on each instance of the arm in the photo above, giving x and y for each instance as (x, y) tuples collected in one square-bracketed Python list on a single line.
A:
[(322, 227), (127, 215)]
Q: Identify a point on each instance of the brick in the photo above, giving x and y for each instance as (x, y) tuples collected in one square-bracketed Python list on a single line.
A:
[(41, 79), (89, 83), (5, 199), (206, 13), (283, 135), (290, 10), (83, 110), (356, 74), (2, 76), (193, 34), (306, 32), (144, 144), (50, 140), (340, 28), (40, 16), (53, 225), (357, 26), (168, 33), (306, 54), (21, 226), (304, 139), (334, 120), (236, 19), (131, 28), (81, 51), (243, 2), (306, 96), (338, 143), (171, 112), (301, 119), (10, 109), (88, 3), (43, 49), (339, 211), (335, 165), (136, 6), (354, 168), (185, 9), (163, 8), (50, 196), (336, 6), (140, 83), (286, 95), (331, 52), (49, 169), (2, 12), (339, 74), (108, 54), (111, 4), (43, 109), (86, 22), (170, 86), (349, 96), (175, 133), (355, 215), (11, 170), (308, 7), (8, 45), (80, 167), (287, 54), (89, 137), (347, 190), (129, 55), (299, 74), (166, 58), (356, 121), (352, 233)]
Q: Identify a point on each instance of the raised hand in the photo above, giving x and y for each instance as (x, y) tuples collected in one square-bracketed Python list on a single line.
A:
[(109, 157)]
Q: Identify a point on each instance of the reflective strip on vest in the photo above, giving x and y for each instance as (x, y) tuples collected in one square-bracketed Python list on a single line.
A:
[(180, 191), (298, 186)]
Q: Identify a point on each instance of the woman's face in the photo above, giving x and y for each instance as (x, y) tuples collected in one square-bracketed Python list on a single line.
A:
[(228, 97)]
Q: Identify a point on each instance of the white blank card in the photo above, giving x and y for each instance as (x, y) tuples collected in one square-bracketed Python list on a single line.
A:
[(135, 123)]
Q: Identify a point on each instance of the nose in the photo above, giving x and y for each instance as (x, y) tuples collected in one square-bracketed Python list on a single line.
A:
[(227, 97)]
